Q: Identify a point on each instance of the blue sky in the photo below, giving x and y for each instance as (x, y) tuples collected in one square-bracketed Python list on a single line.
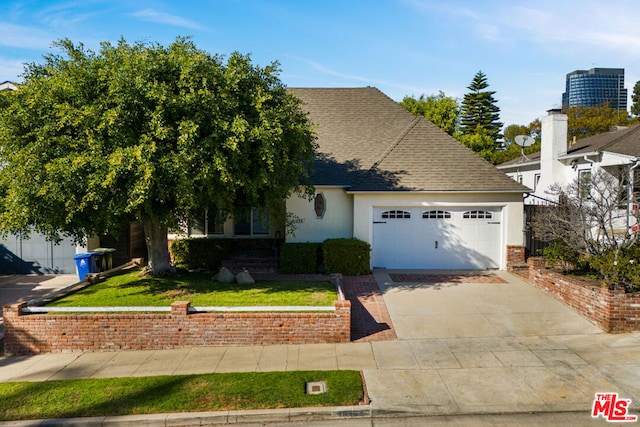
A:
[(403, 47)]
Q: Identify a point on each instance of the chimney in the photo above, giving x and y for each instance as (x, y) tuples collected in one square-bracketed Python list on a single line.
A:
[(554, 144)]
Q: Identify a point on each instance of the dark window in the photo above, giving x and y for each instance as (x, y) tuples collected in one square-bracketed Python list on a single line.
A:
[(436, 215), (477, 215), (396, 214)]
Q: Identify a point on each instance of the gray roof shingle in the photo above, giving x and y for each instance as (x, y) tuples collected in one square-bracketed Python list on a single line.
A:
[(625, 141), (368, 142)]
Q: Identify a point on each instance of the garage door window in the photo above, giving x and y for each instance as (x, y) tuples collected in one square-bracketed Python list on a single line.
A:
[(396, 215), (436, 215), (477, 215)]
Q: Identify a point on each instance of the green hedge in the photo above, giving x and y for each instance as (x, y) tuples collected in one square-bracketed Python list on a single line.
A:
[(299, 258), (351, 257), (195, 253)]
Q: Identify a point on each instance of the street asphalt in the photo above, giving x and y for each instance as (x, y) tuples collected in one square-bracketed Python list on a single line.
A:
[(491, 350)]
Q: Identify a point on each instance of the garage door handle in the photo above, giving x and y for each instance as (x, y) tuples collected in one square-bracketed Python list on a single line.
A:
[(493, 222), (379, 222), (436, 244)]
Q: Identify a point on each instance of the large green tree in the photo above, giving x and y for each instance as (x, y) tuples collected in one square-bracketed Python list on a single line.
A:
[(480, 110), (584, 121), (635, 100), (92, 140), (440, 109)]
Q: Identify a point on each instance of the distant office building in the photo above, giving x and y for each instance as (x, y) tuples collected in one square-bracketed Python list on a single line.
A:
[(597, 86)]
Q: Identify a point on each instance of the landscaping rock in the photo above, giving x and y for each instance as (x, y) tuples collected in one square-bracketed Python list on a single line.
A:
[(225, 276), (244, 278)]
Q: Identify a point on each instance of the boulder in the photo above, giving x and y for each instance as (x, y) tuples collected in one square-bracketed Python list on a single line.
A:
[(226, 276), (244, 278)]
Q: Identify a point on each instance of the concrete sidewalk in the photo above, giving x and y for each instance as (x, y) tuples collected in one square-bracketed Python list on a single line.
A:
[(463, 348)]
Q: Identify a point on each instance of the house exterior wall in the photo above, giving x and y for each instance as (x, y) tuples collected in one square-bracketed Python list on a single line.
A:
[(511, 205), (337, 221)]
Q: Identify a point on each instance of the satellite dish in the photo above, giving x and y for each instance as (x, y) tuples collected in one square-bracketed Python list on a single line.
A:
[(524, 140)]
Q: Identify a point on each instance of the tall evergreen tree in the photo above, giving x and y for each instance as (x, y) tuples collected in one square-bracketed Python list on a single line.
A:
[(479, 109), (635, 99)]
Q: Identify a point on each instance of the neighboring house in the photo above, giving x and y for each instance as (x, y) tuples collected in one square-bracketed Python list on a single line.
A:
[(562, 163), (416, 195), (7, 85)]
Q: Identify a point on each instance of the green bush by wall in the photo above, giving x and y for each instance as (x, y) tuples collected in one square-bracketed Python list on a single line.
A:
[(351, 257), (299, 258), (195, 253)]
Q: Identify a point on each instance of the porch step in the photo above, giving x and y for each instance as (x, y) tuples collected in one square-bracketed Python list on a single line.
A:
[(251, 260)]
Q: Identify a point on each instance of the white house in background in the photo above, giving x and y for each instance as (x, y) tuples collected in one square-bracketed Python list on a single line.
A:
[(559, 162), (416, 195), (7, 85)]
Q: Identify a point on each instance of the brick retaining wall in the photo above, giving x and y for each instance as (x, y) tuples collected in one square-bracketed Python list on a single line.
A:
[(612, 310), (43, 333)]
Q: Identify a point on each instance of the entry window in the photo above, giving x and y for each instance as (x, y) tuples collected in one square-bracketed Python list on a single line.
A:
[(436, 215), (477, 215), (252, 223), (396, 215)]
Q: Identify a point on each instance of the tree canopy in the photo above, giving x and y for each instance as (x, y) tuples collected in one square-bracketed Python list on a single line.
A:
[(584, 121), (479, 109), (441, 110), (92, 140), (635, 100)]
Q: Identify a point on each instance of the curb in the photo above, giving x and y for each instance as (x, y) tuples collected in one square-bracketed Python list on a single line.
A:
[(205, 418)]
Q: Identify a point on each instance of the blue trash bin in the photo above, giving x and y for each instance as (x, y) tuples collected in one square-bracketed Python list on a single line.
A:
[(85, 264)]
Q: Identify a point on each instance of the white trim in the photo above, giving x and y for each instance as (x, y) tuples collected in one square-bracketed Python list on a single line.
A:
[(226, 309), (401, 193)]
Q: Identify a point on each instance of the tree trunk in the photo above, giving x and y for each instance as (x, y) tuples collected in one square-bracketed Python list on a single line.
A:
[(155, 235)]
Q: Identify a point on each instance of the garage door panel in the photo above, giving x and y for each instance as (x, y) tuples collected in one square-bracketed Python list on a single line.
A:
[(437, 238)]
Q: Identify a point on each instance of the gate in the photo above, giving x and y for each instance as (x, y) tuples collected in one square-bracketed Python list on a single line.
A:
[(533, 245)]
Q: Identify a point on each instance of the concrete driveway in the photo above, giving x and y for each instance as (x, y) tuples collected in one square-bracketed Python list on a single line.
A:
[(488, 342), (450, 304), (18, 287)]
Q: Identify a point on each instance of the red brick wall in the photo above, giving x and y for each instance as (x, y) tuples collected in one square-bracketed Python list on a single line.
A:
[(611, 310), (515, 254), (40, 333)]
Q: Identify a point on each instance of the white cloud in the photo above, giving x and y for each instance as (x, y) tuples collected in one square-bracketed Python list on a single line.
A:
[(150, 15), (11, 69), (24, 37)]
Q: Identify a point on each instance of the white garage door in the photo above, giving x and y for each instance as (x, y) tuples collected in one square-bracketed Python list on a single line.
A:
[(436, 238), (36, 255)]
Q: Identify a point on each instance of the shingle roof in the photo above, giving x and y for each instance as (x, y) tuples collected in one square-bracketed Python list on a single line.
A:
[(370, 143), (624, 141)]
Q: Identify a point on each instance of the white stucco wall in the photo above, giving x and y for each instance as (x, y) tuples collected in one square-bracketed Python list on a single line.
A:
[(337, 222), (510, 204)]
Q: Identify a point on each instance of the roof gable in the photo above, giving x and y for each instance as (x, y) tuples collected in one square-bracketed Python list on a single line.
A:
[(368, 142)]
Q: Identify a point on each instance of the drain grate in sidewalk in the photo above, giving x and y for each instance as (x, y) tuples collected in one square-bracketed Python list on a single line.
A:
[(446, 278)]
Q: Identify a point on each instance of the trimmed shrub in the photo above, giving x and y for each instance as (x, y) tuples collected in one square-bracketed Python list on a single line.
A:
[(560, 254), (619, 268), (300, 258), (351, 257), (192, 253)]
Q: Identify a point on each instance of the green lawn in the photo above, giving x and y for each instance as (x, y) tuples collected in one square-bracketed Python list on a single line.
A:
[(129, 290), (183, 393)]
